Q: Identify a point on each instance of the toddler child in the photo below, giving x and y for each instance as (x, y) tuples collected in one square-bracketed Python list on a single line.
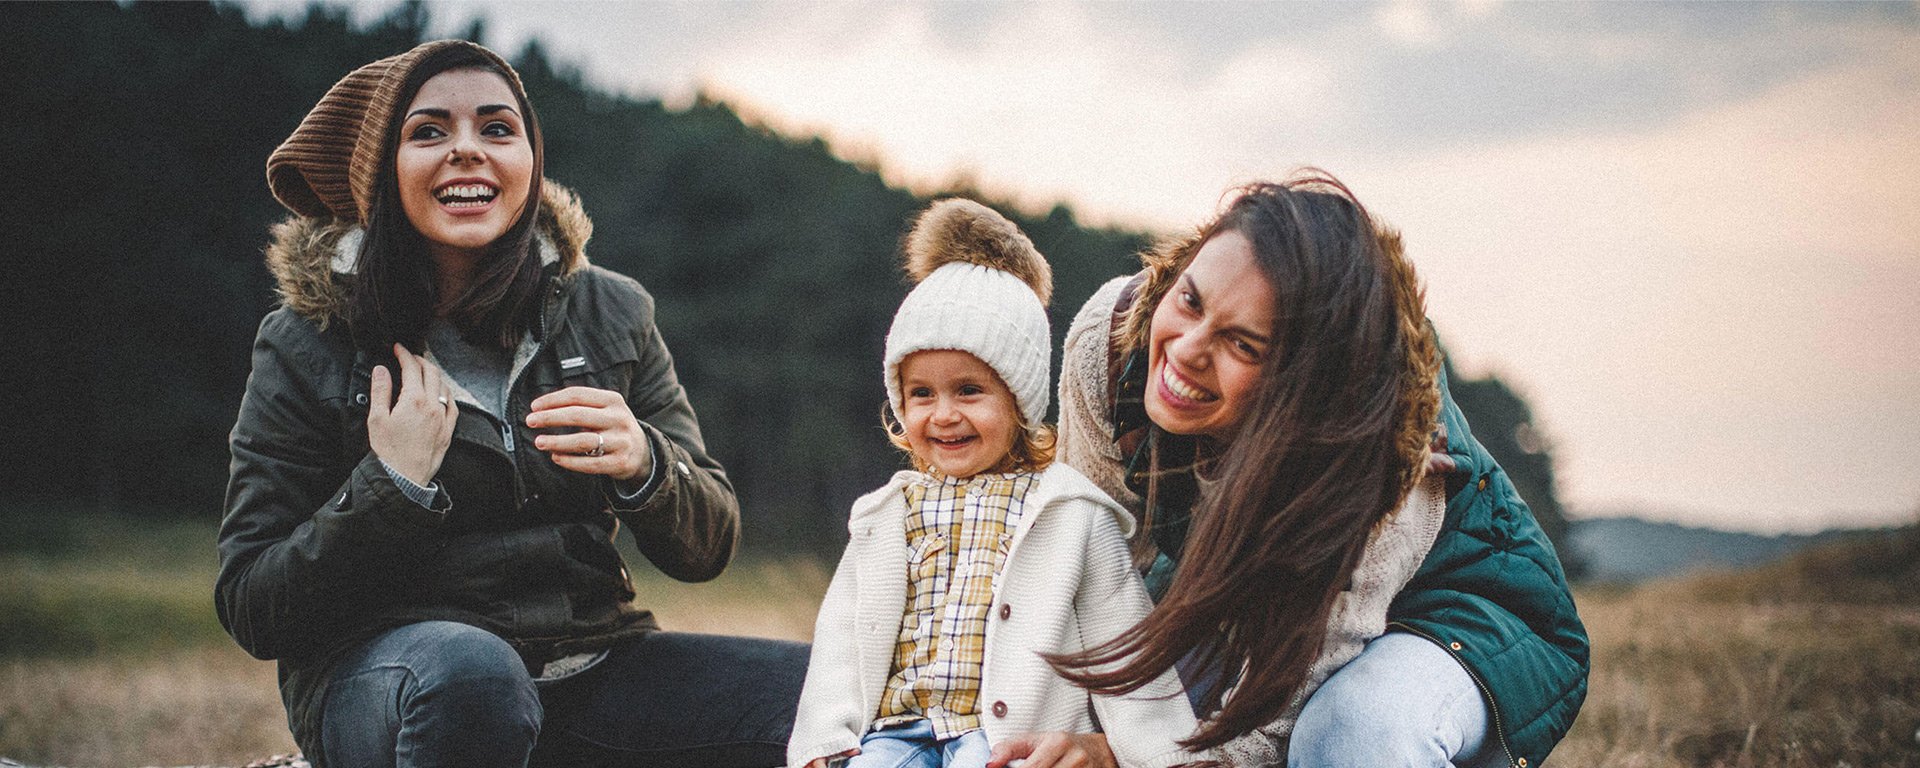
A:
[(962, 573)]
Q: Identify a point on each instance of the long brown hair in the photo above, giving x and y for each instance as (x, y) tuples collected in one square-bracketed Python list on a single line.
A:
[(394, 292), (1333, 440)]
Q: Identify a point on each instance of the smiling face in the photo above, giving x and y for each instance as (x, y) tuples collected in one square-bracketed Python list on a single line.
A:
[(464, 163), (1209, 337), (959, 417)]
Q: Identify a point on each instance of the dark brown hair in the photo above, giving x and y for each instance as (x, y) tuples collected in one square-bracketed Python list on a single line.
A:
[(394, 291), (1332, 441)]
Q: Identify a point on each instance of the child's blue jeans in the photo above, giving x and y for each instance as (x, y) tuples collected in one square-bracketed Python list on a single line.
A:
[(913, 746)]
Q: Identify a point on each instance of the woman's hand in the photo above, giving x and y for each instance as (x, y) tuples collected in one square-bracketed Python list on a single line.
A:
[(608, 442), (411, 431), (1054, 750), (821, 762)]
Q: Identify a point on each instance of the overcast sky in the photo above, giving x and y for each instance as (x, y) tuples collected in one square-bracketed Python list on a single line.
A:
[(1689, 234)]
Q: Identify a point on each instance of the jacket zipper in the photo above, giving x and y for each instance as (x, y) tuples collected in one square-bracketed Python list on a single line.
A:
[(505, 435), (1499, 728), (513, 384), (500, 427)]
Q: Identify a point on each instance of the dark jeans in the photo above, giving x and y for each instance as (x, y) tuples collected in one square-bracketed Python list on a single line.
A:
[(447, 694), (1202, 681)]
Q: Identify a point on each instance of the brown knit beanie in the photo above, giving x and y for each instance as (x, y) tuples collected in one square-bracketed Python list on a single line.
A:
[(329, 164)]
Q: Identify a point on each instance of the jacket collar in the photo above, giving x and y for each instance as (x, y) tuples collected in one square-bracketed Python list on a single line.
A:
[(309, 255), (1057, 484), (346, 252)]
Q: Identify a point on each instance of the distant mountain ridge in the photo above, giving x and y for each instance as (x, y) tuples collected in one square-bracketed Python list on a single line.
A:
[(1627, 549)]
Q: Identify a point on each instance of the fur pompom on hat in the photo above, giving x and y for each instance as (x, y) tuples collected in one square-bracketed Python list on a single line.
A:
[(983, 289), (328, 167), (957, 230)]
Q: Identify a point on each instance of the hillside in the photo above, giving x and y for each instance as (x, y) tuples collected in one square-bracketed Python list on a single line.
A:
[(1626, 550), (140, 281)]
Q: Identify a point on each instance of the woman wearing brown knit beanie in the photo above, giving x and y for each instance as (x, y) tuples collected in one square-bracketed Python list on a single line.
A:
[(450, 417)]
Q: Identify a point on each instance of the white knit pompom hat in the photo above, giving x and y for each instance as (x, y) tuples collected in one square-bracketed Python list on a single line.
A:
[(983, 289)]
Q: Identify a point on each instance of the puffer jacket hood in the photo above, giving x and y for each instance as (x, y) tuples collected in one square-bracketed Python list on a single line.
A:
[(309, 255)]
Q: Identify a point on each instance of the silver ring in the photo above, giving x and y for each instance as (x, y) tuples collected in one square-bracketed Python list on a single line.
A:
[(442, 399), (600, 446)]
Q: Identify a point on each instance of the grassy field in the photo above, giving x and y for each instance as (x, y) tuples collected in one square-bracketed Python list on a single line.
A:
[(110, 655), (1814, 661)]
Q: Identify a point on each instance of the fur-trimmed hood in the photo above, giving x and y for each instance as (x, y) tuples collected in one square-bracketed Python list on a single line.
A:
[(309, 255)]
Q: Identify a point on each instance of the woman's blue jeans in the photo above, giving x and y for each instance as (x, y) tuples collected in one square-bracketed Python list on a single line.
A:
[(446, 694), (1402, 702)]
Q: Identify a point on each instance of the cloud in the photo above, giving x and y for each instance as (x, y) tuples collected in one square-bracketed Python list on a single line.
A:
[(1426, 75), (1409, 22), (1044, 106), (1715, 313)]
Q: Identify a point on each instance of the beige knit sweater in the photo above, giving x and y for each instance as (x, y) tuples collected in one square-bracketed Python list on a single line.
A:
[(1391, 557)]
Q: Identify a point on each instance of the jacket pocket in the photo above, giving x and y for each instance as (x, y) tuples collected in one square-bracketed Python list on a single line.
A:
[(601, 361)]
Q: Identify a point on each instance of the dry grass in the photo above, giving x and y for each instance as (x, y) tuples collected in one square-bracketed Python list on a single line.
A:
[(110, 654), (188, 706), (1813, 662)]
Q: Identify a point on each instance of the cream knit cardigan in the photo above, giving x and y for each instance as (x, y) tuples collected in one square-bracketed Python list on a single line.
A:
[(1067, 585), (1392, 555)]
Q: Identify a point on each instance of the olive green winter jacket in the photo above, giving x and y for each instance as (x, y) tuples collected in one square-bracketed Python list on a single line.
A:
[(320, 549)]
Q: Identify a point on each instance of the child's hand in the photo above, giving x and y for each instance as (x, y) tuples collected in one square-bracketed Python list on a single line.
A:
[(821, 762)]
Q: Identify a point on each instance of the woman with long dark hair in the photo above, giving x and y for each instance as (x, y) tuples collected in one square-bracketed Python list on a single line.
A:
[(1266, 394), (450, 418)]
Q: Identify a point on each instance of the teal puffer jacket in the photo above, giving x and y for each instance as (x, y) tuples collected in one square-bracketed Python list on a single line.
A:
[(1492, 593)]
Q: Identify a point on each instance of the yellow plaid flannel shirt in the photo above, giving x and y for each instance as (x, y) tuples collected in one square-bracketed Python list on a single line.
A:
[(958, 533)]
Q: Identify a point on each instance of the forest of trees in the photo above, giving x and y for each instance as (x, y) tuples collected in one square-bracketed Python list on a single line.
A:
[(138, 210)]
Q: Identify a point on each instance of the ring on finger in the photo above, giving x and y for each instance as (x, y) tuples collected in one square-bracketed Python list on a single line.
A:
[(599, 445), (442, 399)]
